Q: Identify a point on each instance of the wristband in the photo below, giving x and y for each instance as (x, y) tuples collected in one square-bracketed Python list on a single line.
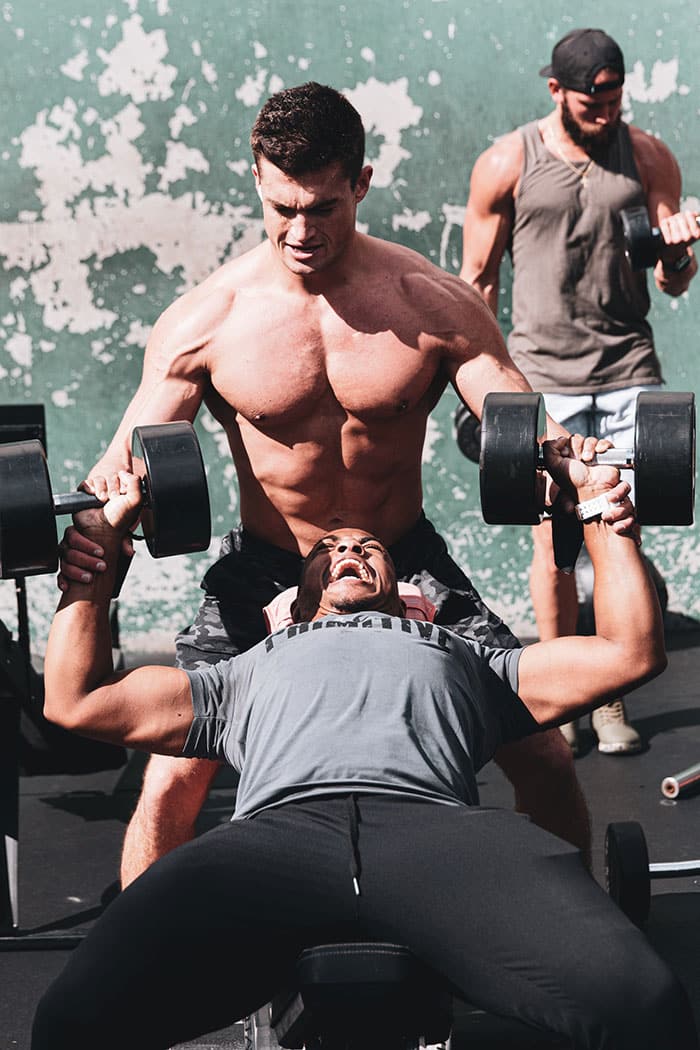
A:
[(591, 509)]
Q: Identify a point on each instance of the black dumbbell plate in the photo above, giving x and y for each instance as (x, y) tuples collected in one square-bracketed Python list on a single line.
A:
[(176, 518), (664, 458), (28, 537), (511, 425), (641, 248), (468, 430)]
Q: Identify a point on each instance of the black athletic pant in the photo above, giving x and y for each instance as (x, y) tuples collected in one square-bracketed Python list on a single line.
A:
[(505, 911)]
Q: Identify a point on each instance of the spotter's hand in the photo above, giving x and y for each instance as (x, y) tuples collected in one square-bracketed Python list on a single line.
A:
[(571, 464), (99, 530)]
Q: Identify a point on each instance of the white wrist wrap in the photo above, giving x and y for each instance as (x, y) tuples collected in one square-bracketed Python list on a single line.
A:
[(592, 508)]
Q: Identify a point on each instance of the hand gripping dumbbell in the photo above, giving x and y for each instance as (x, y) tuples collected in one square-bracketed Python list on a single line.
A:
[(175, 516), (628, 873), (663, 458), (643, 242)]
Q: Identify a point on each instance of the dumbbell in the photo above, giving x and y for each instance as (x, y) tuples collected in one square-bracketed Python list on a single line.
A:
[(628, 873), (175, 517), (663, 458), (643, 242)]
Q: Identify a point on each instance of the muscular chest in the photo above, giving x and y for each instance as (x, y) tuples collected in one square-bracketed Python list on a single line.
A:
[(274, 367)]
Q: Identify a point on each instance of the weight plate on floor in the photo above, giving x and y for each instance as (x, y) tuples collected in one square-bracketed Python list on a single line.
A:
[(28, 537), (627, 875), (511, 425), (176, 518), (468, 433), (664, 458)]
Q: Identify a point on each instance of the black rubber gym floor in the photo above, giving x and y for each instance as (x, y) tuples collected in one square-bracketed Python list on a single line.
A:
[(71, 826)]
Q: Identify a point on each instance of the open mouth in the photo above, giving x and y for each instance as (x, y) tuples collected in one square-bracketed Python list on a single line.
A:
[(350, 568)]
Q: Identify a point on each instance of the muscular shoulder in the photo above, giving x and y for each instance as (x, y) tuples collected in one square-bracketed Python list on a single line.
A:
[(496, 171), (194, 318), (441, 302), (422, 282), (655, 162)]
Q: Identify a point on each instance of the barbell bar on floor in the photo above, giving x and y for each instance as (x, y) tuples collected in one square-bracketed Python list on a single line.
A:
[(683, 783)]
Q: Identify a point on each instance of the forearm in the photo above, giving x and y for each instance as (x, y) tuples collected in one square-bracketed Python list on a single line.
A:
[(625, 602), (79, 648), (563, 677)]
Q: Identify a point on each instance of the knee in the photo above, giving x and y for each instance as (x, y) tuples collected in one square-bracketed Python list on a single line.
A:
[(542, 756), (662, 1014), (175, 786)]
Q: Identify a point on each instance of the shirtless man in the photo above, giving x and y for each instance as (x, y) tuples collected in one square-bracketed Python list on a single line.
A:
[(551, 193), (322, 353)]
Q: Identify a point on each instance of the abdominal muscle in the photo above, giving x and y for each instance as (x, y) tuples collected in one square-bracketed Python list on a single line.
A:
[(366, 476)]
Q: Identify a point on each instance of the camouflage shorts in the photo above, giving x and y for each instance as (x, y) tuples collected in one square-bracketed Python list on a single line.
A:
[(250, 573)]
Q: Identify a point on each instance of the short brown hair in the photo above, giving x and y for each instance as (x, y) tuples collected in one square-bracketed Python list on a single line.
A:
[(306, 128)]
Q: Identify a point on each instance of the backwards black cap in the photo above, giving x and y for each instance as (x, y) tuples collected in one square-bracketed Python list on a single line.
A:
[(579, 57)]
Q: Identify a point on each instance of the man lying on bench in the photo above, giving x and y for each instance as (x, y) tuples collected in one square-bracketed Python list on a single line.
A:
[(358, 734)]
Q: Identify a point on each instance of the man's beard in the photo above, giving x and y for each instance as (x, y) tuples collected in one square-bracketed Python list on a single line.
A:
[(594, 143)]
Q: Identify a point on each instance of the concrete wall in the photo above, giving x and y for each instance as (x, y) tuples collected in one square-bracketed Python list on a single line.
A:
[(125, 179)]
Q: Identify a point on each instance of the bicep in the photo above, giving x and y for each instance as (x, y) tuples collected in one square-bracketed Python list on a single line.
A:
[(488, 218), (480, 362), (146, 708), (560, 675), (661, 179), (485, 236)]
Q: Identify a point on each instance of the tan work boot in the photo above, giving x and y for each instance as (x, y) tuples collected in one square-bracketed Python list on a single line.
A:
[(569, 730), (615, 735)]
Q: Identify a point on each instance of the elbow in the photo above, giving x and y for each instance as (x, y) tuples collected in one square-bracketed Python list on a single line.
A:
[(479, 281), (650, 663), (660, 664), (62, 709)]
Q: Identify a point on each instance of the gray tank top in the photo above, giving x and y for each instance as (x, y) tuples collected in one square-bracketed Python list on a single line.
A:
[(579, 311)]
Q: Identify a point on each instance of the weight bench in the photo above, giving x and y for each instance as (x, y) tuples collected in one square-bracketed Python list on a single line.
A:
[(358, 994)]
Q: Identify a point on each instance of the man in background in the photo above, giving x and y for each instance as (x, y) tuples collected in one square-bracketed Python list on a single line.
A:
[(551, 193)]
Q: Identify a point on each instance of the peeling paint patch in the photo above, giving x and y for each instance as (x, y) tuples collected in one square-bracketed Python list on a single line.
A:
[(19, 347), (135, 66), (75, 66), (408, 220), (386, 110)]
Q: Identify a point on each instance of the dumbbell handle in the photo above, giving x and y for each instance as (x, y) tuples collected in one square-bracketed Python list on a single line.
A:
[(614, 457), (72, 502)]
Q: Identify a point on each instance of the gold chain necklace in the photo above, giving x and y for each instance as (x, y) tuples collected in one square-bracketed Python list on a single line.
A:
[(581, 172)]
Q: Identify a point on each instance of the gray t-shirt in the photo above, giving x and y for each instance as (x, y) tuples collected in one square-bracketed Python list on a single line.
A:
[(363, 703)]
